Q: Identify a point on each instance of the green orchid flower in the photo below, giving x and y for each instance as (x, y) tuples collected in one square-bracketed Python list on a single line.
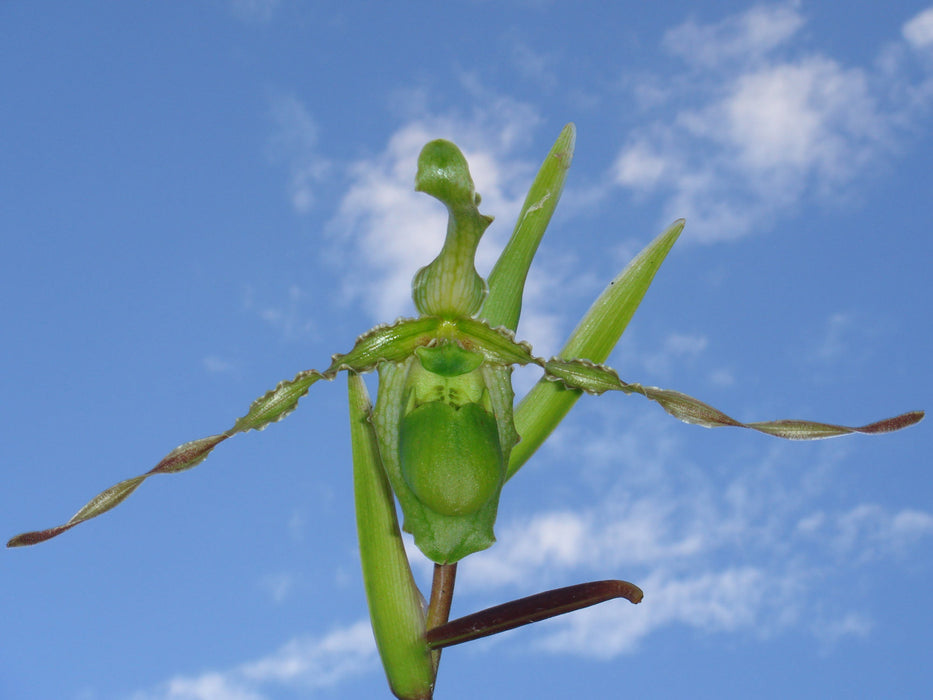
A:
[(445, 435)]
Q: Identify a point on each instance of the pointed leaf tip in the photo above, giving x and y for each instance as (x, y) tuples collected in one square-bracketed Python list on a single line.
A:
[(503, 305)]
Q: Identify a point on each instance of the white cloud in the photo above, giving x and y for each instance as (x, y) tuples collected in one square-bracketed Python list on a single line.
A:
[(795, 118), (833, 344), (294, 142), (722, 377), (852, 624), (868, 531), (290, 318), (209, 686), (279, 585), (254, 10), (775, 132), (761, 125), (677, 348), (641, 166), (751, 34), (218, 365), (646, 532), (919, 30), (297, 525), (530, 547), (845, 340), (305, 664), (317, 662), (727, 600), (534, 65)]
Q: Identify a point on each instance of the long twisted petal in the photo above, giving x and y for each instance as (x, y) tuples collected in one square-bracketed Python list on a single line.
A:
[(269, 408), (596, 379)]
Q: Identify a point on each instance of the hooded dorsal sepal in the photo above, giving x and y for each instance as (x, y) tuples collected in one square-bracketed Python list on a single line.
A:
[(450, 286)]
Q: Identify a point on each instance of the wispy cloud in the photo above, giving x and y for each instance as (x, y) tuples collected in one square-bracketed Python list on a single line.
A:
[(254, 10), (843, 342), (279, 585), (729, 600), (304, 664), (851, 625), (218, 365), (294, 141), (919, 30), (762, 124), (742, 38), (290, 316), (833, 343), (677, 348), (867, 532), (536, 66)]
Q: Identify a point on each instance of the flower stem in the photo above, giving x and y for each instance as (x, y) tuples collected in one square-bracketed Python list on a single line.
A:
[(442, 593)]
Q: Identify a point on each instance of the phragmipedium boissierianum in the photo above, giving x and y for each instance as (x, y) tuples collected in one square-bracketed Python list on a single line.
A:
[(445, 435)]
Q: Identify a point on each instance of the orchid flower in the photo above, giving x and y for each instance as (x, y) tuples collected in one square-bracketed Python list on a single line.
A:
[(445, 435)]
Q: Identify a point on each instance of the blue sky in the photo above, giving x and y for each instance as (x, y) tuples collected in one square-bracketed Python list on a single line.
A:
[(200, 199)]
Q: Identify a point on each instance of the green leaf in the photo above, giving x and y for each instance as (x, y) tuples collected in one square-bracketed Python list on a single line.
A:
[(540, 411), (605, 321), (503, 305), (395, 604)]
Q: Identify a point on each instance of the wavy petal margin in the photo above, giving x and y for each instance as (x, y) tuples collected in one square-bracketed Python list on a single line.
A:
[(596, 379), (269, 408)]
